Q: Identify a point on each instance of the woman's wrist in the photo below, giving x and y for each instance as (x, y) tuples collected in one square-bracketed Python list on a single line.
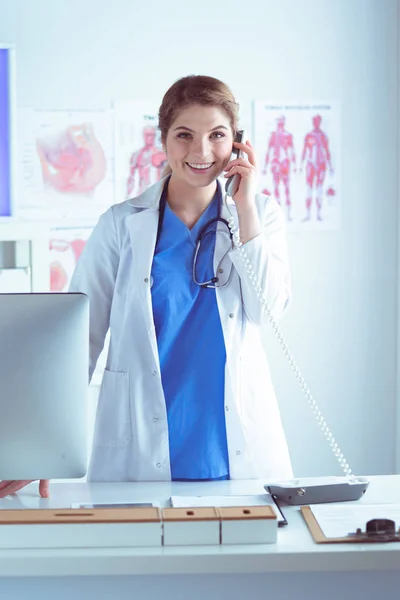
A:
[(249, 222)]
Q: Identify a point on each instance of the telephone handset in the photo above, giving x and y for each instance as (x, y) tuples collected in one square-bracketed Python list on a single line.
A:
[(232, 185), (305, 490)]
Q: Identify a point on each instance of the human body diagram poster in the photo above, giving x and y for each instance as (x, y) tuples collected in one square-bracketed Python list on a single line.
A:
[(65, 247), (65, 164), (298, 154), (139, 158)]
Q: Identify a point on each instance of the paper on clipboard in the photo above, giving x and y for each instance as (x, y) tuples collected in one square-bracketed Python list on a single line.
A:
[(338, 520)]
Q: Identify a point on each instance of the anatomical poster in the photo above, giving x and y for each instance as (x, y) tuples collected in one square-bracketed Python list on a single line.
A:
[(65, 164), (298, 155), (139, 158), (65, 247)]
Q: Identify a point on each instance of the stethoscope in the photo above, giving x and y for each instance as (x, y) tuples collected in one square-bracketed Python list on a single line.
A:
[(214, 282)]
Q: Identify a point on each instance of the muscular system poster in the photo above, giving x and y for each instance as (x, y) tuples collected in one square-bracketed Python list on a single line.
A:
[(298, 153), (139, 158)]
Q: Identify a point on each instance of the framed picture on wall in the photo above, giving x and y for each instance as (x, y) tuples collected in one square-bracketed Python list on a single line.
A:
[(7, 137), (65, 164), (298, 150)]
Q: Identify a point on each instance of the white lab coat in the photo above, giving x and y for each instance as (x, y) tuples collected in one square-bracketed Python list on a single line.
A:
[(131, 431)]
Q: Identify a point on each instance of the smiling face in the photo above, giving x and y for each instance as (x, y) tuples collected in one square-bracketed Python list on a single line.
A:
[(199, 144)]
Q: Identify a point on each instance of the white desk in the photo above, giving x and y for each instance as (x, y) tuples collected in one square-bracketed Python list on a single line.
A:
[(294, 567)]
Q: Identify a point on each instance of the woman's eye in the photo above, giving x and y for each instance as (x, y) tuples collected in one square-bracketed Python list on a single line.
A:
[(184, 135)]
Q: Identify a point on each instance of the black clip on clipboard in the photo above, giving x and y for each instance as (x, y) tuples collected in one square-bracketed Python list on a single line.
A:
[(379, 531)]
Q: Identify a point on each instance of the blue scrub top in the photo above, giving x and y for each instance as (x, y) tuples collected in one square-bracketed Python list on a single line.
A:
[(191, 348)]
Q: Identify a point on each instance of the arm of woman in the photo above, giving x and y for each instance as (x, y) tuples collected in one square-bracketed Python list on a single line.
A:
[(268, 256), (263, 242), (95, 275)]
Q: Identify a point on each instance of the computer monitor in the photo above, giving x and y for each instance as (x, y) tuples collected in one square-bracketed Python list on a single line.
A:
[(7, 133), (44, 380)]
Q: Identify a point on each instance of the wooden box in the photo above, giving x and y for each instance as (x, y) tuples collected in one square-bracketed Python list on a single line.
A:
[(80, 528), (248, 525), (191, 526)]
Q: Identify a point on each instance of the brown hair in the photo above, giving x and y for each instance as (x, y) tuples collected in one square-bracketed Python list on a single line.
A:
[(195, 89)]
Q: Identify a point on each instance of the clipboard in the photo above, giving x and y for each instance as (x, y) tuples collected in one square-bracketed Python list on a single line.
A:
[(376, 531)]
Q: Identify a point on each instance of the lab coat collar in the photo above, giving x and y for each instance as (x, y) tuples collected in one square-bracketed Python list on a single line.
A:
[(150, 198)]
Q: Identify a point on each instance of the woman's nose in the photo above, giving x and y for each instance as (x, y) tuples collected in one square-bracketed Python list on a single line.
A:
[(201, 147)]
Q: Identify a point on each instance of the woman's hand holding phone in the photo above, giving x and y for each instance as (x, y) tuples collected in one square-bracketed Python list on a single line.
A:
[(245, 167), (242, 188)]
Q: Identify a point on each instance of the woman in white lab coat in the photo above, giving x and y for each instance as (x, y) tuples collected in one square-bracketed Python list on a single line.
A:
[(186, 394)]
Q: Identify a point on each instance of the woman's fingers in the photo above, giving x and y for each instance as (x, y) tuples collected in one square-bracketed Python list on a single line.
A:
[(244, 171), (44, 488), (247, 148), (10, 487)]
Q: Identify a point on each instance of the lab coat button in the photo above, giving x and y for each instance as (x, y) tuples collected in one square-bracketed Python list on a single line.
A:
[(154, 372), (158, 465), (231, 315), (238, 452), (155, 419), (227, 408), (146, 280)]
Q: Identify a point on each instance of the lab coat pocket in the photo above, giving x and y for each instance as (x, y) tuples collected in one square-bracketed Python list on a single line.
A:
[(113, 418)]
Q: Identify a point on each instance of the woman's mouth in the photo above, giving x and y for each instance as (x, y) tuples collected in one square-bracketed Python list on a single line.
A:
[(200, 168)]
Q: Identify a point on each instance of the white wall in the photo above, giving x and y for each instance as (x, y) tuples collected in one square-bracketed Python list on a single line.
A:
[(343, 321)]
